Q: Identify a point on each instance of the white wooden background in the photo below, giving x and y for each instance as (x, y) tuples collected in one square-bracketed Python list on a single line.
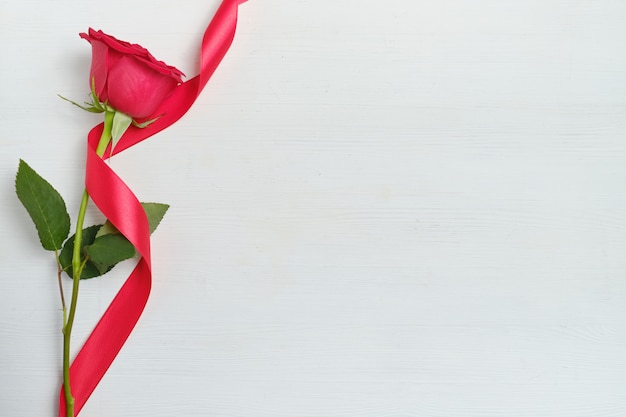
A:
[(379, 209)]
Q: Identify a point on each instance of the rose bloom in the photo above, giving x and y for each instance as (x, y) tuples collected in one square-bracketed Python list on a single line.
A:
[(127, 76)]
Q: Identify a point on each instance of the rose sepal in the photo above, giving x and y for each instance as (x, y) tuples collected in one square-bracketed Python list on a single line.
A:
[(95, 106), (121, 123)]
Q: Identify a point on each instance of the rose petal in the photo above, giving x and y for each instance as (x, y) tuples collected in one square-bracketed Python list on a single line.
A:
[(135, 89), (98, 73)]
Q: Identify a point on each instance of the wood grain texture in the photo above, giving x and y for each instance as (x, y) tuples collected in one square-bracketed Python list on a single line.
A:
[(379, 209)]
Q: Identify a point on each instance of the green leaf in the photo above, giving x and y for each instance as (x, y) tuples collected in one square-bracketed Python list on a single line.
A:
[(65, 257), (102, 253), (107, 229), (44, 205), (155, 213), (108, 250), (104, 246)]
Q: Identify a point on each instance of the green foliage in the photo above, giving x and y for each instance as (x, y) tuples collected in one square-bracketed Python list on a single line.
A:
[(65, 257), (103, 246), (44, 205), (107, 229), (108, 250), (155, 213), (100, 253)]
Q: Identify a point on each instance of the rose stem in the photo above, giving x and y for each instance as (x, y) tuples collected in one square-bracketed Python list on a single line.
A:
[(77, 269), (59, 272)]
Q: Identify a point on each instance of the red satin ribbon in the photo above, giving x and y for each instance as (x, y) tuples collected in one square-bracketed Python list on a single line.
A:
[(119, 204)]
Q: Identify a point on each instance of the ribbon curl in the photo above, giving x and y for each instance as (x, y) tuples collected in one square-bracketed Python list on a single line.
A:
[(122, 208)]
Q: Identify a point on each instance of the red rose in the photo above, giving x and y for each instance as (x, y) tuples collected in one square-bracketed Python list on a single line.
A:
[(127, 76)]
